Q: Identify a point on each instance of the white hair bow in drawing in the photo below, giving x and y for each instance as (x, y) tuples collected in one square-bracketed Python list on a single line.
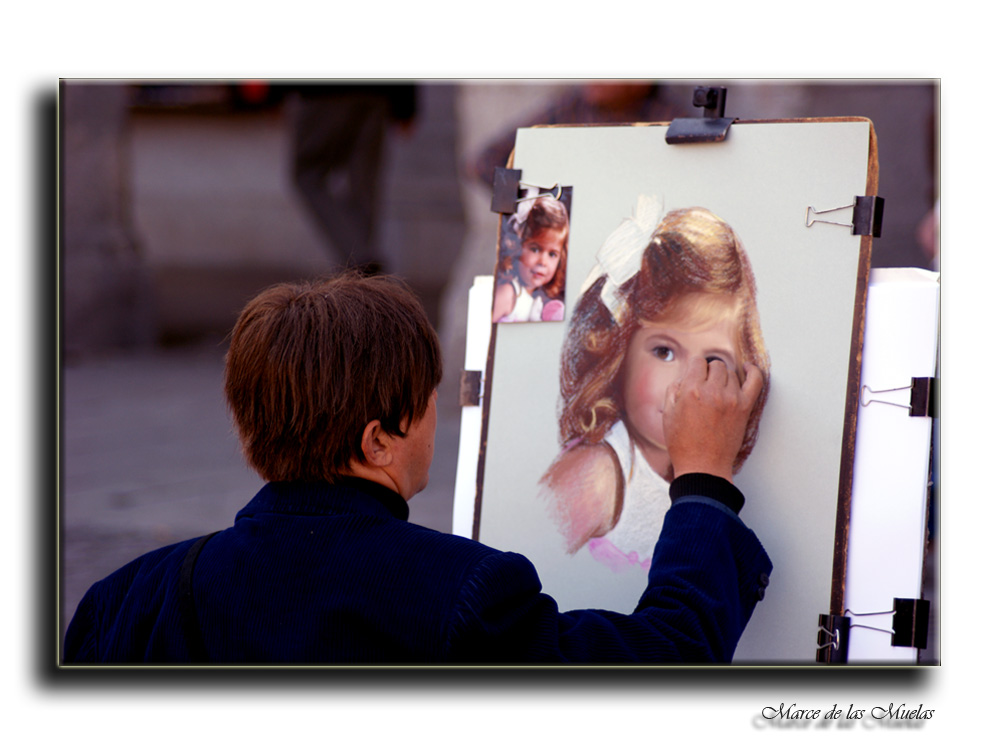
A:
[(620, 257)]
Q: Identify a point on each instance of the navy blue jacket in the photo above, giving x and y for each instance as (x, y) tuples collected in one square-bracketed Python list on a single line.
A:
[(320, 573)]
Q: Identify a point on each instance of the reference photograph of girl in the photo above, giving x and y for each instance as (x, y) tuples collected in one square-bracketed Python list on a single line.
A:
[(531, 273)]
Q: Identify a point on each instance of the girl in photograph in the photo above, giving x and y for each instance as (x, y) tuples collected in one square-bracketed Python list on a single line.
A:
[(666, 289), (531, 278)]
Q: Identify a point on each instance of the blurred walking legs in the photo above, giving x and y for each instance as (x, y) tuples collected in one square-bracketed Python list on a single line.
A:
[(337, 143)]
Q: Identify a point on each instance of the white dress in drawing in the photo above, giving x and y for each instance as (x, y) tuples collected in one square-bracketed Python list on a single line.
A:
[(645, 501)]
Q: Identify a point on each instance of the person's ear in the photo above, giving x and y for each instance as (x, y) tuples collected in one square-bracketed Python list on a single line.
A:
[(376, 444)]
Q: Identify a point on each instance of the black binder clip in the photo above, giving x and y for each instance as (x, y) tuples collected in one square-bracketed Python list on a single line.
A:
[(470, 391), (866, 216), (713, 127), (506, 182), (923, 397), (909, 629), (507, 186), (910, 619), (832, 638)]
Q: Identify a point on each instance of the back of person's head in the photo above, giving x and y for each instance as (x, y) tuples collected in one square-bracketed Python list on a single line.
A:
[(310, 364)]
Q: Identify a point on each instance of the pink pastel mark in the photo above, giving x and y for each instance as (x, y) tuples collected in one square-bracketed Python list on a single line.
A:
[(609, 554)]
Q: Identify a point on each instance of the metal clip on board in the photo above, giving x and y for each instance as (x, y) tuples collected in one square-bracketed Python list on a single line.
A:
[(507, 186), (910, 621), (923, 397), (712, 127), (866, 216), (470, 391)]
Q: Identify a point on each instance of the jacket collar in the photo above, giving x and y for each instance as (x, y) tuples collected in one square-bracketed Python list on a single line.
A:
[(350, 495)]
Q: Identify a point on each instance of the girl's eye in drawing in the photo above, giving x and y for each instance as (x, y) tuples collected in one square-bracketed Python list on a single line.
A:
[(663, 353), (553, 254)]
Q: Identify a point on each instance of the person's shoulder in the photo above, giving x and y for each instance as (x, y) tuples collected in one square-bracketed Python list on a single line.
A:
[(140, 584), (446, 547), (155, 568), (585, 486), (582, 465), (504, 299), (156, 557)]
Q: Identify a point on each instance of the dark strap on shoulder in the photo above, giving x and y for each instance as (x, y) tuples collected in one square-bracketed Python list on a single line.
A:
[(189, 616)]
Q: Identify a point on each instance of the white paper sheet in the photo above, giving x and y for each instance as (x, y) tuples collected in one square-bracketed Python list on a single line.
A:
[(477, 347), (885, 555)]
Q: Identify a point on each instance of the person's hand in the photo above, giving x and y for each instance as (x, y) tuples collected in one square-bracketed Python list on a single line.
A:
[(705, 417)]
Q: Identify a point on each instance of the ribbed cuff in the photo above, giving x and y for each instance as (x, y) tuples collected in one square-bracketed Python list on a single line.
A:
[(706, 485)]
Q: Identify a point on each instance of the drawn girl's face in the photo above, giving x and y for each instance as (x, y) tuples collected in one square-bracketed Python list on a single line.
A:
[(657, 356), (541, 253)]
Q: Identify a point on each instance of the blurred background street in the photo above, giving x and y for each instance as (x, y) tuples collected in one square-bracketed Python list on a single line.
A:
[(179, 204)]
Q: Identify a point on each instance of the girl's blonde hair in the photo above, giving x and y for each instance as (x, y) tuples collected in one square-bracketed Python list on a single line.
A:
[(691, 251)]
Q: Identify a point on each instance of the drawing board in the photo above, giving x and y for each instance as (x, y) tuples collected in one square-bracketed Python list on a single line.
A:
[(810, 297)]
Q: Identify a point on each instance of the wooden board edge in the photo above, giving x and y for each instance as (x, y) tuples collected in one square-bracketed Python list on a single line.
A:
[(845, 488), (487, 390)]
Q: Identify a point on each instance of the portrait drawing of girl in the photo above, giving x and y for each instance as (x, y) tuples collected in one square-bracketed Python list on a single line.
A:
[(667, 288)]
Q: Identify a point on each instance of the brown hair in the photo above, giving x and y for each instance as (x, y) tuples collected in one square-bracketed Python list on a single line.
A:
[(691, 251), (310, 364)]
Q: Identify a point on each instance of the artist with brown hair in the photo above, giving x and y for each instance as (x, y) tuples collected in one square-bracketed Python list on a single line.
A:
[(332, 388)]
